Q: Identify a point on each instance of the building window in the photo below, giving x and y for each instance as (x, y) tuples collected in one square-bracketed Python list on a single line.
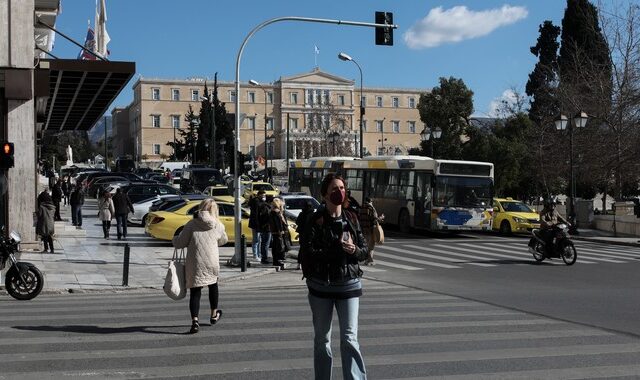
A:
[(412, 127), (379, 101), (396, 126), (252, 151), (270, 123), (380, 151), (412, 102), (294, 97), (327, 97), (175, 94), (379, 125), (309, 96), (270, 97), (364, 125), (341, 124), (251, 97), (195, 95), (341, 100), (155, 93), (232, 96), (396, 102), (251, 122), (363, 100), (175, 121), (293, 123), (156, 148), (155, 121)]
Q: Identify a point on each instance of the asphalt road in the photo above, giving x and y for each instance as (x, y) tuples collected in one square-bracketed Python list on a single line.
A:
[(600, 290)]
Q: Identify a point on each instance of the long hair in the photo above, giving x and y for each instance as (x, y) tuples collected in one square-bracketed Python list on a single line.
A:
[(209, 205), (324, 186)]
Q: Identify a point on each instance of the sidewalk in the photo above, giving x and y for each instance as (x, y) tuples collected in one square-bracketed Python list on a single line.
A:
[(606, 237), (84, 261)]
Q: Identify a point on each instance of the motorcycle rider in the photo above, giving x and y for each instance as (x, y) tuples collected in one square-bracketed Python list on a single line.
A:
[(549, 218)]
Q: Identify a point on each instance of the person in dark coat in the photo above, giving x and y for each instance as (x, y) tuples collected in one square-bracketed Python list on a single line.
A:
[(56, 196), (77, 200), (279, 232), (66, 190), (45, 226), (301, 224), (122, 205)]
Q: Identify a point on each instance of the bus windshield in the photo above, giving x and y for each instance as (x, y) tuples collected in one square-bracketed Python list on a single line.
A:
[(463, 191)]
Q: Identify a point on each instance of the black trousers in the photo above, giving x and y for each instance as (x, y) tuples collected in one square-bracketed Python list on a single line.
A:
[(194, 299), (106, 226), (56, 216), (48, 243)]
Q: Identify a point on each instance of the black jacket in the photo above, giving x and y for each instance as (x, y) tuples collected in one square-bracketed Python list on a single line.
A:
[(56, 193), (77, 197), (122, 203), (323, 248)]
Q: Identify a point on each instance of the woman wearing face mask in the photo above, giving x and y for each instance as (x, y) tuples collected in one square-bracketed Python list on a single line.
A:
[(334, 247)]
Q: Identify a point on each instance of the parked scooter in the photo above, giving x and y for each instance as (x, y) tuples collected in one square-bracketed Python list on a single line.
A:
[(562, 246), (23, 280)]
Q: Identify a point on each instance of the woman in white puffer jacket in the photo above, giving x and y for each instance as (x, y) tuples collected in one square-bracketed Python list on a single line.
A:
[(201, 236)]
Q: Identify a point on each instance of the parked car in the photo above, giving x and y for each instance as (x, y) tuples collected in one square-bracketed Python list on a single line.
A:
[(141, 209), (293, 203), (164, 225), (138, 191), (130, 176), (98, 184), (142, 171), (176, 175), (196, 179), (252, 188), (174, 201), (160, 178), (510, 216)]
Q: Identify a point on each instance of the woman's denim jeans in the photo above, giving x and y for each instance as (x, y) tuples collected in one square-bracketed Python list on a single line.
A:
[(352, 361)]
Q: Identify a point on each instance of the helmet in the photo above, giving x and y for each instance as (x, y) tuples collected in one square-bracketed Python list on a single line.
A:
[(549, 202)]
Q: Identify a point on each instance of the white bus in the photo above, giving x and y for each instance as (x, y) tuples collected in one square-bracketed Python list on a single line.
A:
[(412, 191)]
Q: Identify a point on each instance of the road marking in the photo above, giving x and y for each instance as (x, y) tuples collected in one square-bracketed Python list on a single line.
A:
[(407, 259), (627, 253), (446, 253), (521, 256), (590, 257), (600, 253), (379, 262)]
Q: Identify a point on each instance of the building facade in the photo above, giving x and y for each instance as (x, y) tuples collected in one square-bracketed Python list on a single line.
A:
[(316, 113)]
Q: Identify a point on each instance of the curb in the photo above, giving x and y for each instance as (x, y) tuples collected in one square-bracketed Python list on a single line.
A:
[(612, 242)]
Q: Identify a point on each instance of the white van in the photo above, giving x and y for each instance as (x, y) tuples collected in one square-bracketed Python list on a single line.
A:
[(174, 165)]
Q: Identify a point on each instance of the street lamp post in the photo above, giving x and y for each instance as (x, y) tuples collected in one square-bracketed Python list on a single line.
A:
[(562, 123), (222, 143), (264, 90), (333, 136), (429, 135), (345, 57), (271, 140)]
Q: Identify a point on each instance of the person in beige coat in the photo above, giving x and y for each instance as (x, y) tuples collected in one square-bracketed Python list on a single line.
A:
[(201, 236), (106, 212)]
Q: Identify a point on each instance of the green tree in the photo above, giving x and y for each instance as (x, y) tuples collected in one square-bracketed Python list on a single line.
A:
[(543, 79), (55, 145), (448, 107), (185, 143), (214, 123)]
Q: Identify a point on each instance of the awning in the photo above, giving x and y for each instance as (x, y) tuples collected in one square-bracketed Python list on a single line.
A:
[(80, 92)]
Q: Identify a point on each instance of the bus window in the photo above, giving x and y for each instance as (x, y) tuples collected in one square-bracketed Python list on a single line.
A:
[(406, 184), (354, 179), (391, 190)]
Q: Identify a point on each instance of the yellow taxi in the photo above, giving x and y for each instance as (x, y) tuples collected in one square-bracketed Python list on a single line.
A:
[(510, 216), (252, 188), (220, 193), (164, 225)]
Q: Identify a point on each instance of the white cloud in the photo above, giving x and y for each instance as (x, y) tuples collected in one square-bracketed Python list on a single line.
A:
[(459, 23), (496, 106)]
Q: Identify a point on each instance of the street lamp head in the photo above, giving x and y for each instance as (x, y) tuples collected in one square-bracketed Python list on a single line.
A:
[(561, 123), (425, 135), (437, 133), (580, 120), (344, 57), (254, 82)]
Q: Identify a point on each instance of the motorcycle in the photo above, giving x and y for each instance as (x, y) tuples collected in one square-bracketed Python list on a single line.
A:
[(562, 246), (23, 281)]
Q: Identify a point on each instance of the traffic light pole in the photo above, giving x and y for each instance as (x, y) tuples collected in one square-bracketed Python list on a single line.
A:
[(236, 177)]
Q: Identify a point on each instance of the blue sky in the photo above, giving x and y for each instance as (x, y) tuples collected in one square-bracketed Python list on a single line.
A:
[(484, 42)]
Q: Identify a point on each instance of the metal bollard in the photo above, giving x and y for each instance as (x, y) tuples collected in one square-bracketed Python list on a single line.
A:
[(125, 265), (243, 253)]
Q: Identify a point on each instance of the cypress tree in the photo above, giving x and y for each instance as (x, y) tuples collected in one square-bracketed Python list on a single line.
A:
[(543, 79)]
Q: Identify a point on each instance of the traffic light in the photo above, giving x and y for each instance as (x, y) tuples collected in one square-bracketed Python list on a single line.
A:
[(6, 155), (384, 35)]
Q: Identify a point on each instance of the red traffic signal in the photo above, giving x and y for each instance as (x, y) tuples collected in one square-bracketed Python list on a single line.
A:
[(6, 155)]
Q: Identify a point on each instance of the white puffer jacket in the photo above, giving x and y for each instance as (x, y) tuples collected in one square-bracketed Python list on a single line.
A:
[(202, 236)]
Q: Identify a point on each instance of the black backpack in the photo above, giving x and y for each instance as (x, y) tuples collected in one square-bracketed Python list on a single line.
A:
[(263, 214)]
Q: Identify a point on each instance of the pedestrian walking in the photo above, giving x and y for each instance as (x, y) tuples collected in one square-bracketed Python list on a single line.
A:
[(301, 227), (76, 199), (264, 210), (334, 247), (56, 196), (201, 236), (66, 190), (106, 212), (279, 232), (122, 205), (254, 203), (45, 225), (369, 220)]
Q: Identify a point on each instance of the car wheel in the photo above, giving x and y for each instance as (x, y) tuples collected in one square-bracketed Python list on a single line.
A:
[(144, 220), (505, 227)]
